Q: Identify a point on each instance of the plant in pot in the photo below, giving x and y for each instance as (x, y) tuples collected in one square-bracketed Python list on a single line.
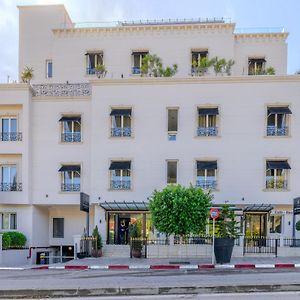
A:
[(97, 250), (227, 230), (100, 70), (136, 242), (27, 74)]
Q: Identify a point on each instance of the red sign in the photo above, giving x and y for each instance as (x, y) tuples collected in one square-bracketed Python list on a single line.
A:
[(214, 213)]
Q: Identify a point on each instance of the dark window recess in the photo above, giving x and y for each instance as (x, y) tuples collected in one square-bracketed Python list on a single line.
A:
[(172, 119), (256, 66), (120, 165), (172, 172), (58, 227)]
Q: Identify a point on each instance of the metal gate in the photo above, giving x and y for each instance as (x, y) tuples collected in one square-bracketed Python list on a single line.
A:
[(260, 245), (88, 246)]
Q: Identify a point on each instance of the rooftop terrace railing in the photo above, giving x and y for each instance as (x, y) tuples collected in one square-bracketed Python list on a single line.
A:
[(259, 30)]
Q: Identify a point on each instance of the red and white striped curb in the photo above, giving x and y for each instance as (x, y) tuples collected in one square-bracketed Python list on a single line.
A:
[(158, 267)]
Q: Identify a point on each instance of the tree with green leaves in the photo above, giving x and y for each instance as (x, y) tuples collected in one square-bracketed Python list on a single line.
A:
[(201, 67), (152, 67), (98, 237), (27, 74), (180, 210)]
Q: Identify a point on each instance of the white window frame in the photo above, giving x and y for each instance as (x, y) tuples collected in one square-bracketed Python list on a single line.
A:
[(12, 117), (72, 179), (9, 220), (8, 166)]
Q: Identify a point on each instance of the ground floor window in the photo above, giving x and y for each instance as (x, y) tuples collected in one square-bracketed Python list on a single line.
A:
[(8, 221), (255, 224), (118, 230), (58, 227), (275, 224)]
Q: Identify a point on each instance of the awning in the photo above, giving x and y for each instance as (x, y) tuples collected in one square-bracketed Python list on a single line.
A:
[(70, 118), (204, 52), (94, 52), (69, 168), (124, 206), (120, 112), (208, 111), (140, 52), (209, 165), (278, 164), (258, 208), (120, 165), (257, 60), (279, 110)]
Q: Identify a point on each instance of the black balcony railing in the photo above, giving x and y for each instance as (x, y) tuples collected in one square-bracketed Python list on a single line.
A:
[(71, 137), (120, 184), (277, 131), (207, 131), (121, 131), (207, 184), (70, 187), (136, 70), (11, 136), (10, 187)]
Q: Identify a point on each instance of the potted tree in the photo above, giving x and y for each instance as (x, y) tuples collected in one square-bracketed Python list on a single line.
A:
[(227, 230), (27, 74), (135, 239), (100, 70), (97, 250)]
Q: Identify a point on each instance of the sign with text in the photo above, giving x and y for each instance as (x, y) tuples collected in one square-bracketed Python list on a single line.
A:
[(84, 202), (297, 206)]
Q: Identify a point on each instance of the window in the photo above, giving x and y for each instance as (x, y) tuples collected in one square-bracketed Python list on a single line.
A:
[(277, 121), (275, 224), (8, 221), (197, 55), (9, 128), (70, 178), (137, 58), (172, 119), (121, 122), (207, 121), (206, 174), (120, 175), (171, 172), (71, 129), (92, 60), (256, 66), (9, 179), (58, 227), (277, 174), (49, 68)]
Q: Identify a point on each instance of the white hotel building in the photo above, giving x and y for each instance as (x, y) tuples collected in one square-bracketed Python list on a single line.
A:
[(120, 137)]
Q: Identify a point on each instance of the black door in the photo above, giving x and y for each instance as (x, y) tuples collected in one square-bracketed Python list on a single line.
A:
[(123, 230)]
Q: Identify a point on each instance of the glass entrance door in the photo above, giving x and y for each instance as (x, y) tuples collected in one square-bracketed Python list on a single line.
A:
[(256, 225)]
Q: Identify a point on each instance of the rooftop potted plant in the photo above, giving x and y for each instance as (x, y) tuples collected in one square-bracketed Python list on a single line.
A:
[(27, 74), (227, 230)]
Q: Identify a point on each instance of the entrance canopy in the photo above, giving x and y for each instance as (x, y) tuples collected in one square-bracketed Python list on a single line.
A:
[(124, 206), (258, 208)]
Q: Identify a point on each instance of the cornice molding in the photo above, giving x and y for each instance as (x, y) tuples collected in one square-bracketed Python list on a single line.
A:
[(15, 86), (196, 80), (276, 35)]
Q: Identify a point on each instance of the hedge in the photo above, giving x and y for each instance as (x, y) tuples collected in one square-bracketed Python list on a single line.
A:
[(13, 239)]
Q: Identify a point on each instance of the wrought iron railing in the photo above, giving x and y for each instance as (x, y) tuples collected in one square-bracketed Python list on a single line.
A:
[(72, 187), (120, 184), (291, 242), (62, 90), (71, 137), (207, 184), (207, 131), (261, 245), (10, 187), (187, 240), (121, 131), (277, 131), (276, 183), (136, 70), (10, 136)]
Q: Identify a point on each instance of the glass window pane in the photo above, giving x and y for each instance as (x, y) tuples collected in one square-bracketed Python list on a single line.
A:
[(126, 121), (58, 227), (280, 120), (172, 119), (136, 60), (118, 121), (211, 173), (92, 60), (77, 126), (49, 69), (5, 125), (5, 175), (13, 174), (172, 172), (67, 177), (13, 221), (271, 120), (76, 178), (67, 126), (13, 125), (212, 121), (200, 172), (202, 120), (5, 221)]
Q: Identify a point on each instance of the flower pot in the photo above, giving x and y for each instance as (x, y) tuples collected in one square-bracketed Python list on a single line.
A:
[(136, 253), (97, 253), (223, 250)]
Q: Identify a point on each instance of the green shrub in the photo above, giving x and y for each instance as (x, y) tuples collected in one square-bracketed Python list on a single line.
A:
[(98, 237), (13, 239), (298, 226)]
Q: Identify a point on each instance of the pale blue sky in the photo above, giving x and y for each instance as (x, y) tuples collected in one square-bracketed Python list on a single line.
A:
[(254, 13)]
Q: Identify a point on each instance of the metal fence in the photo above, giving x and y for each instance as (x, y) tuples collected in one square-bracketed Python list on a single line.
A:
[(261, 245), (88, 247), (291, 242)]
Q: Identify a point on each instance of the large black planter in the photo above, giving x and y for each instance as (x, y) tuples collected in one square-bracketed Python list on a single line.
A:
[(223, 250)]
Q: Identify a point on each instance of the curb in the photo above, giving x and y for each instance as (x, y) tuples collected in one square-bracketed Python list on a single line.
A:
[(158, 267)]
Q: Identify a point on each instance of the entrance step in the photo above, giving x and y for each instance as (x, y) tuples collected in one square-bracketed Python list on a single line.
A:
[(116, 251)]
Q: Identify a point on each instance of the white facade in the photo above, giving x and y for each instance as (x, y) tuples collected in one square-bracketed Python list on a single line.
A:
[(240, 149)]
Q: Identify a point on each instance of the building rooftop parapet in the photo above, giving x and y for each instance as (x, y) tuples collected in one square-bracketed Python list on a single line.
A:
[(62, 90)]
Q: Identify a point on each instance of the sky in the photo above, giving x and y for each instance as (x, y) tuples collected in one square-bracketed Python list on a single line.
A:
[(245, 13)]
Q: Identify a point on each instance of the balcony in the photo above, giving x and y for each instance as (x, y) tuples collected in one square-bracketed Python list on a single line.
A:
[(136, 70), (62, 90), (10, 187), (276, 183), (71, 137), (70, 187), (207, 131), (124, 184), (11, 136), (206, 184), (277, 131), (121, 131)]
